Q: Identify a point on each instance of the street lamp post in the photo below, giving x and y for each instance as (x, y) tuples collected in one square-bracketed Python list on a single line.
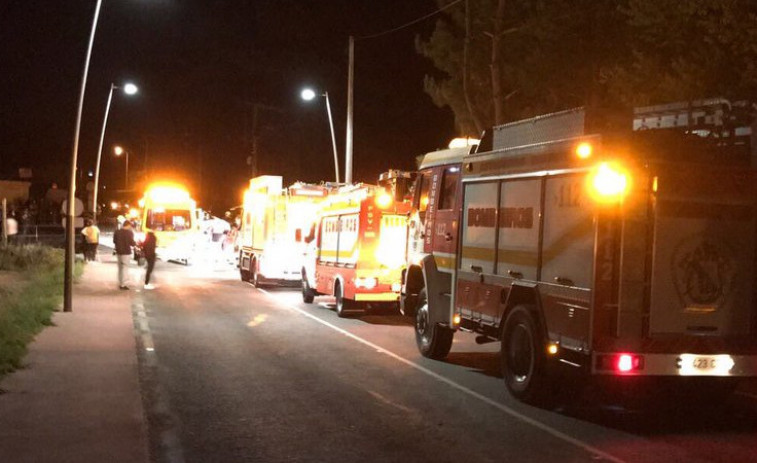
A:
[(307, 95), (118, 152), (68, 274), (129, 89)]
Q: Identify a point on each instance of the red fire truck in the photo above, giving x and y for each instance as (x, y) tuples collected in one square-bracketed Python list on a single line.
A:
[(357, 249), (582, 245)]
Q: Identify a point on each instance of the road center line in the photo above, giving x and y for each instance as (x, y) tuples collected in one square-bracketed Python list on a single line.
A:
[(537, 424)]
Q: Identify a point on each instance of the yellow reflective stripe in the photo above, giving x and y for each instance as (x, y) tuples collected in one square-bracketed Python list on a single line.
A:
[(520, 257), (380, 297), (445, 262)]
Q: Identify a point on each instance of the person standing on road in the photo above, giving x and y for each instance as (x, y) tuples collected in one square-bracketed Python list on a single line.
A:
[(11, 227), (123, 238), (148, 249), (92, 239)]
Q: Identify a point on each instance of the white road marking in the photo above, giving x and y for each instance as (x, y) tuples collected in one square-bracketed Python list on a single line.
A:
[(170, 444), (537, 424)]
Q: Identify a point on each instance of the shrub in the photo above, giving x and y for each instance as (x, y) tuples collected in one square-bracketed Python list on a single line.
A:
[(27, 306)]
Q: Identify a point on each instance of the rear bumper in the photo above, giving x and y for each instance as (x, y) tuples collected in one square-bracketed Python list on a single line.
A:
[(683, 364), (282, 279)]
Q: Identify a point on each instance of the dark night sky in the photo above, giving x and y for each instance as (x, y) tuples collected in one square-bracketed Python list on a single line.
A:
[(201, 65)]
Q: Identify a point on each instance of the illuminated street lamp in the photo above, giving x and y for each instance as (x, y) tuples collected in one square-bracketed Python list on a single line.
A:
[(119, 151), (68, 267), (308, 95), (129, 89)]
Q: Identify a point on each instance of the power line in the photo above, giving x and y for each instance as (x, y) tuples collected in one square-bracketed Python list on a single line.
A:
[(415, 21)]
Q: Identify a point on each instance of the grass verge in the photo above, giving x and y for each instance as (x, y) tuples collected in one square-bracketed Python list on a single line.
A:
[(31, 292)]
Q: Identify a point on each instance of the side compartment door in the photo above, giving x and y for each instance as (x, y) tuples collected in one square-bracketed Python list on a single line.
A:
[(473, 297), (567, 259)]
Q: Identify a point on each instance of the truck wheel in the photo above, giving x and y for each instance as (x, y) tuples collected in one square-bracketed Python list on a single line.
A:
[(255, 277), (433, 340), (408, 305), (244, 274), (308, 295), (522, 357), (344, 307)]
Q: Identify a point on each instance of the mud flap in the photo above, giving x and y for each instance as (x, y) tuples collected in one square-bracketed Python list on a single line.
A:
[(438, 291)]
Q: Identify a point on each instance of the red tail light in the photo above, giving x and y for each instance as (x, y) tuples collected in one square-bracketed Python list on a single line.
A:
[(620, 363), (625, 363)]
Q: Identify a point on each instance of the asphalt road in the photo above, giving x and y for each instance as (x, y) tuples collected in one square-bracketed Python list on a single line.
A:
[(230, 373)]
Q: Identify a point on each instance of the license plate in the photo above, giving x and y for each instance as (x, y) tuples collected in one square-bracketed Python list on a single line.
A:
[(704, 365)]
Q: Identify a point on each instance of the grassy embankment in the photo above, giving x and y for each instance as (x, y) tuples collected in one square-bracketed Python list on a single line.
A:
[(31, 288)]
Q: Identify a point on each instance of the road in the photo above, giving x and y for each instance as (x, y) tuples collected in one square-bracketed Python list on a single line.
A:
[(231, 373)]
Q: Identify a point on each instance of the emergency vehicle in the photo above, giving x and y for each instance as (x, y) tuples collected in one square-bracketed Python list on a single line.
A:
[(583, 245), (169, 211), (274, 222), (357, 249)]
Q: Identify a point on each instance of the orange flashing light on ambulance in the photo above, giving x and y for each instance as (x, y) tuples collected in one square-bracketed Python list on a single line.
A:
[(357, 249), (169, 211)]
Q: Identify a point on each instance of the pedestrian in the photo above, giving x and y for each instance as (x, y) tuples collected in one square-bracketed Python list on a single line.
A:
[(91, 240), (11, 227), (123, 238), (148, 250)]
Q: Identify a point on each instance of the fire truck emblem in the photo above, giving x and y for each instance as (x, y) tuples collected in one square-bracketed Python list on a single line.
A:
[(703, 271)]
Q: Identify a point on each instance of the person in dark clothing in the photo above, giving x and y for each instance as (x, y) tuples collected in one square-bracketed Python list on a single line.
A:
[(123, 238), (148, 249)]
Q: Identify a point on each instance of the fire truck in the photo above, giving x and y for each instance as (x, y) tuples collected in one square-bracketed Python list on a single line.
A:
[(585, 243), (274, 220), (169, 211), (357, 249)]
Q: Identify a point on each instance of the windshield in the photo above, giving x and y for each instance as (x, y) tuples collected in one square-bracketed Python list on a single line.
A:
[(169, 220)]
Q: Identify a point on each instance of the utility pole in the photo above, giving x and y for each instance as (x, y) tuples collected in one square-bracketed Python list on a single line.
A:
[(350, 87), (4, 225)]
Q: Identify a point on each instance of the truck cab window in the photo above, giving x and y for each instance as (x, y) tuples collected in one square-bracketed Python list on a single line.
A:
[(449, 187), (422, 192)]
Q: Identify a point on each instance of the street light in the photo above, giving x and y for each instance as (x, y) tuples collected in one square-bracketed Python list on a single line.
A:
[(307, 95), (68, 273), (118, 151), (129, 89)]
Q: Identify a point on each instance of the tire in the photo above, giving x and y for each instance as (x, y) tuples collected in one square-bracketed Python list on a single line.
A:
[(344, 307), (244, 275), (433, 340), (523, 357), (409, 305), (308, 294), (257, 281)]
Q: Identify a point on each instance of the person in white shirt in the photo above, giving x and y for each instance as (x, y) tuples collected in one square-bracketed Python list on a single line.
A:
[(11, 228)]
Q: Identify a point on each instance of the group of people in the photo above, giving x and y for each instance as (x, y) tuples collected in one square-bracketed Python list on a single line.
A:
[(123, 239)]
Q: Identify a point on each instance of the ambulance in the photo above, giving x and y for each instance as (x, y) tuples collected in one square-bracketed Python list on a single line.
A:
[(274, 222), (357, 249), (169, 211)]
